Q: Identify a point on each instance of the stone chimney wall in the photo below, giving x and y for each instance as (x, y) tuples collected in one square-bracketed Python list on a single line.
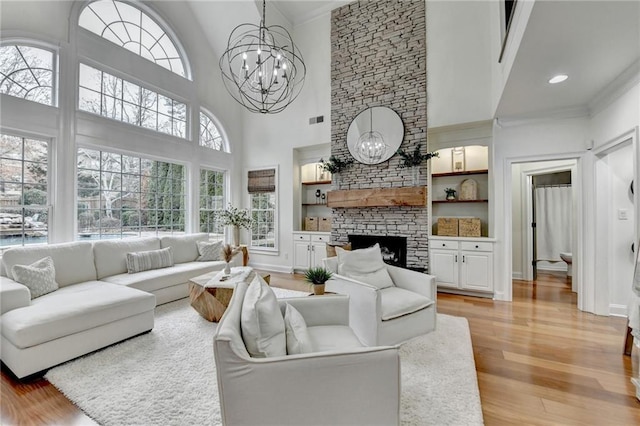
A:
[(379, 58)]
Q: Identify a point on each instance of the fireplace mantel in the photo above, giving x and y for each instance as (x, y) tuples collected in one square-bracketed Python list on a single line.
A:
[(378, 197)]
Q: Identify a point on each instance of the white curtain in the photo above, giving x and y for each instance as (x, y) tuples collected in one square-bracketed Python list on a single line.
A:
[(553, 222)]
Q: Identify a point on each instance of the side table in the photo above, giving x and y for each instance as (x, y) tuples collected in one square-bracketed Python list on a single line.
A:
[(210, 295)]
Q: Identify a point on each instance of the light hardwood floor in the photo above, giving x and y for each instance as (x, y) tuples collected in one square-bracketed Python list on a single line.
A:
[(539, 360)]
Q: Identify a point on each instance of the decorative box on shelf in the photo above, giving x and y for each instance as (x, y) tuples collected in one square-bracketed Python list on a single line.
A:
[(469, 227), (310, 223), (324, 224), (448, 226)]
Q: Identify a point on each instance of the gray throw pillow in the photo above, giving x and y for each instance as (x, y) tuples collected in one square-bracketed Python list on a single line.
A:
[(39, 277), (152, 259), (209, 251)]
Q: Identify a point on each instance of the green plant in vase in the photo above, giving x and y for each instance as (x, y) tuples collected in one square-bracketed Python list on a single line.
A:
[(318, 276), (236, 218), (335, 166), (413, 160)]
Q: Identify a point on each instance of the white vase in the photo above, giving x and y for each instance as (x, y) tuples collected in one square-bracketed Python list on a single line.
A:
[(415, 175), (235, 235), (335, 177), (227, 269)]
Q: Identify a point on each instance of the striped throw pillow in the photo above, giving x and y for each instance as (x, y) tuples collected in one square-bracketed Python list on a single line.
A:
[(145, 260)]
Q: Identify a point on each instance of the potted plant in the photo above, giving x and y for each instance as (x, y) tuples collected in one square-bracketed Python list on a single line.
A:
[(451, 194), (235, 218), (335, 166), (414, 160), (318, 276)]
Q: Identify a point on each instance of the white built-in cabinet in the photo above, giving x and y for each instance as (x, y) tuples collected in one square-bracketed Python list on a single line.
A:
[(309, 248), (461, 264)]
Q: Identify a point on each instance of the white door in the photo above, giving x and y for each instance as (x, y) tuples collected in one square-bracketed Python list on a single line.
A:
[(476, 271), (301, 251), (444, 265), (318, 252)]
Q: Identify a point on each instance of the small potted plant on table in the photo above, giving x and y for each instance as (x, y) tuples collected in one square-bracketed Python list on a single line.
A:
[(318, 277)]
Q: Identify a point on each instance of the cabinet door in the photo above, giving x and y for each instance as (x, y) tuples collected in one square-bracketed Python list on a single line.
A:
[(301, 254), (476, 271), (444, 265), (318, 252)]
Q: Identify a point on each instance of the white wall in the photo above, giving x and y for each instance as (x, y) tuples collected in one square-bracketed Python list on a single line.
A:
[(459, 62), (270, 139)]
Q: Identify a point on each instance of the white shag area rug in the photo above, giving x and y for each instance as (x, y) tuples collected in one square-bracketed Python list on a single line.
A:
[(167, 377)]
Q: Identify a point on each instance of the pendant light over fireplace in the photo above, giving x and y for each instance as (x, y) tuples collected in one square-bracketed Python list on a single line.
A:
[(262, 68)]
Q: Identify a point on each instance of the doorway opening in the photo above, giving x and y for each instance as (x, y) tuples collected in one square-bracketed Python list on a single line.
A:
[(544, 225)]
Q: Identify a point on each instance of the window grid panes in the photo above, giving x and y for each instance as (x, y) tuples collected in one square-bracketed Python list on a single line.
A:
[(109, 96), (23, 191), (263, 211), (210, 137), (212, 201), (124, 196), (129, 27), (27, 72)]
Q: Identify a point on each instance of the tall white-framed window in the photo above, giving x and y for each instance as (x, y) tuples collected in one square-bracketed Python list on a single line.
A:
[(210, 134), (24, 212), (137, 30), (213, 199), (28, 72), (123, 195), (263, 207), (104, 94)]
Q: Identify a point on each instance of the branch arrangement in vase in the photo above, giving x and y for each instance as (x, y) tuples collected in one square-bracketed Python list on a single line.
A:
[(235, 217), (335, 165), (414, 158)]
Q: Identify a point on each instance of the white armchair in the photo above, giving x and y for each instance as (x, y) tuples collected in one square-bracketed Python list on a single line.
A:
[(359, 385), (391, 315)]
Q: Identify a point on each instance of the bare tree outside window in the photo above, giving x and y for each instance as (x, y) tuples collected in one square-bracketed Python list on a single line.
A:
[(27, 72), (109, 96)]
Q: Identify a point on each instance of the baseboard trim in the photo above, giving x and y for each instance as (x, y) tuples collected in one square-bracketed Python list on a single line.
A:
[(272, 268), (618, 310), (516, 275)]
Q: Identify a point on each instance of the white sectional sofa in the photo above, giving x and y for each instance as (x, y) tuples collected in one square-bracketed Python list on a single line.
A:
[(97, 304)]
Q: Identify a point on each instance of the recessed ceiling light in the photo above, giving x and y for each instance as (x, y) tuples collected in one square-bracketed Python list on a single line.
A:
[(558, 78)]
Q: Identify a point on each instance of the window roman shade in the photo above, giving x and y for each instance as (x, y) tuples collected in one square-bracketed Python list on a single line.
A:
[(261, 181)]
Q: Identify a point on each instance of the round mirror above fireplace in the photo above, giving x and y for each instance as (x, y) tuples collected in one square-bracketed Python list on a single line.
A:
[(374, 135)]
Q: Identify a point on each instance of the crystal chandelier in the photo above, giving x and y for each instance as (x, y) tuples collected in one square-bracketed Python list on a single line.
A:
[(371, 147), (262, 68)]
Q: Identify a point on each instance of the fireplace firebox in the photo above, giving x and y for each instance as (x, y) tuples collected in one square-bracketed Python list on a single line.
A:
[(394, 249)]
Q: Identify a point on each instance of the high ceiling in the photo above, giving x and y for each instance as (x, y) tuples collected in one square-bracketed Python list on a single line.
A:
[(593, 41)]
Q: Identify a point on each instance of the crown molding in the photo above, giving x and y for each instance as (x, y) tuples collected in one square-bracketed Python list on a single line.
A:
[(579, 111), (614, 90)]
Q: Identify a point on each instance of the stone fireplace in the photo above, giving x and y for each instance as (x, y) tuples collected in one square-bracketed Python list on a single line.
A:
[(379, 58)]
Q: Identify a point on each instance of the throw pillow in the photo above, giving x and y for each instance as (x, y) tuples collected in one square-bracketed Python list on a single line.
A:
[(151, 259), (39, 277), (365, 265), (298, 340), (209, 251), (331, 248), (261, 322)]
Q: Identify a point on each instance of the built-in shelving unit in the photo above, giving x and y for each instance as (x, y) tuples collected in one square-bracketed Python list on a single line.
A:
[(465, 173), (460, 201)]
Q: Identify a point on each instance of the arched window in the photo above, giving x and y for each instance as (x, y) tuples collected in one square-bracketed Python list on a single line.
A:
[(210, 136), (127, 26), (27, 72)]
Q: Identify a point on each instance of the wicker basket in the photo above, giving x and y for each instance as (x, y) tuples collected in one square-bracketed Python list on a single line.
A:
[(448, 226), (469, 227), (310, 223), (324, 224)]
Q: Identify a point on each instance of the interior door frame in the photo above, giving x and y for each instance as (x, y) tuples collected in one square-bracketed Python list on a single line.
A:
[(527, 191)]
